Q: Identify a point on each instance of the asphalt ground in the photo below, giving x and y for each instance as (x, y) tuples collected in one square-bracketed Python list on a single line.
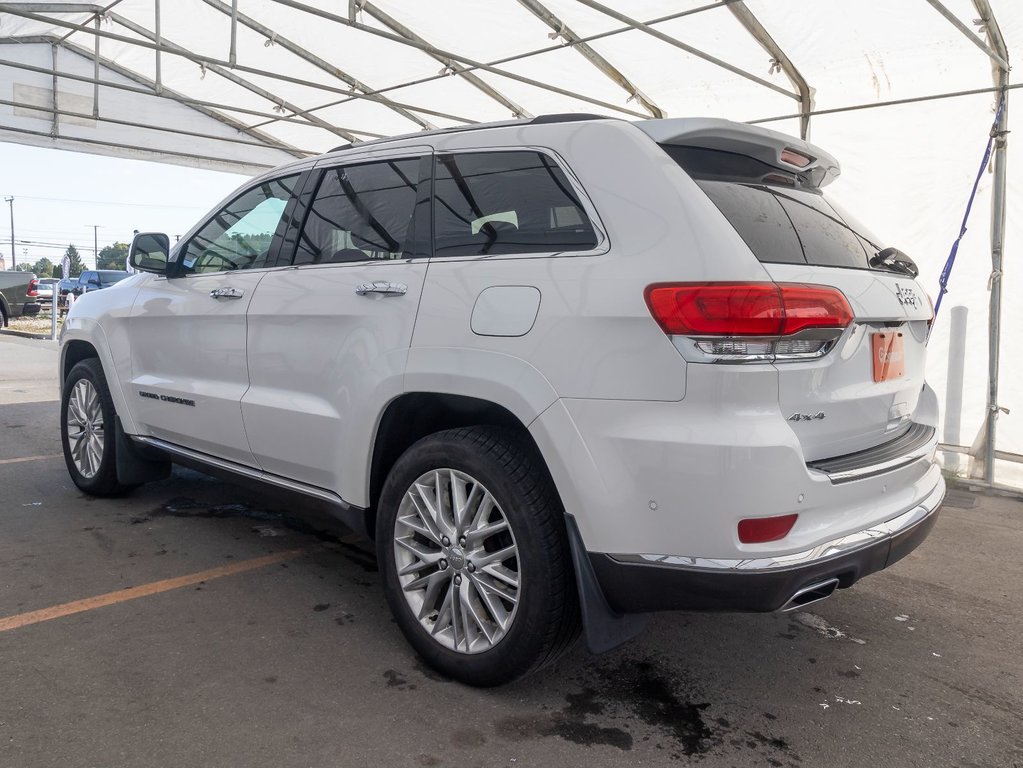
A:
[(196, 623)]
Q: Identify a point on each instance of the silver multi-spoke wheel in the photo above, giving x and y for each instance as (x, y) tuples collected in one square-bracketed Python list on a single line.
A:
[(457, 561), (85, 433)]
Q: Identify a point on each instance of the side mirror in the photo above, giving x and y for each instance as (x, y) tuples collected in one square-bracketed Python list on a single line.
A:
[(149, 252)]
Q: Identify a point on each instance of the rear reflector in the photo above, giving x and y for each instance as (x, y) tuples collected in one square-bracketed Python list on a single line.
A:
[(757, 530), (746, 309)]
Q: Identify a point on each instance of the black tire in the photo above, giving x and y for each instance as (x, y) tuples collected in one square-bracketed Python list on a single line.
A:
[(104, 481), (546, 619)]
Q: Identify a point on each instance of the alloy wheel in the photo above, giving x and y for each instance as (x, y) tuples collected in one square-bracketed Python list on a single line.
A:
[(457, 561), (85, 429)]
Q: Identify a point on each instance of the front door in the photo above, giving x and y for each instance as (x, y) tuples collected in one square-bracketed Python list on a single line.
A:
[(189, 369), (329, 337)]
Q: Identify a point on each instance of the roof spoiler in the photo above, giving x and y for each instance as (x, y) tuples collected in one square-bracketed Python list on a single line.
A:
[(776, 149)]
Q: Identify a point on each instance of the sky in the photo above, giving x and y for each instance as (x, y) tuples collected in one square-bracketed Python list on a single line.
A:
[(59, 196)]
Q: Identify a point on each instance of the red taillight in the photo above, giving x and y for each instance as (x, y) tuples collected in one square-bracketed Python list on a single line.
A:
[(746, 309), (33, 288), (757, 530)]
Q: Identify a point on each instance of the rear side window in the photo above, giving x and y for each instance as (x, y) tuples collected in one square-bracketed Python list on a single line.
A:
[(491, 203), (361, 212)]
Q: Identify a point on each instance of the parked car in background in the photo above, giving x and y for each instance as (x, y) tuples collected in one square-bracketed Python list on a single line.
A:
[(19, 295), (562, 370), (45, 289), (97, 279), (66, 286)]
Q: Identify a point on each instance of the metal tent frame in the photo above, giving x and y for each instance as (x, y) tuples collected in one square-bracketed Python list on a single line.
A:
[(338, 87)]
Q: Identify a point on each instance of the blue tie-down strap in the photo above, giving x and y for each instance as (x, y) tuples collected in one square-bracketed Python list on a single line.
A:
[(946, 271)]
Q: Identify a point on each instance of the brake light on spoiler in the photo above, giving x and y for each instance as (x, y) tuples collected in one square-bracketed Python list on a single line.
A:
[(750, 322)]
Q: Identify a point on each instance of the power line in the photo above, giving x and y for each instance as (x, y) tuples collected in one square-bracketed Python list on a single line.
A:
[(114, 202)]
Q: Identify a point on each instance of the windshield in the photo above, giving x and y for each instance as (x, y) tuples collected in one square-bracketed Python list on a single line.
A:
[(776, 214)]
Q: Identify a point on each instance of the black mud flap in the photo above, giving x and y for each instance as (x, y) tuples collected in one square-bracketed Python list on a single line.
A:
[(603, 628), (132, 467)]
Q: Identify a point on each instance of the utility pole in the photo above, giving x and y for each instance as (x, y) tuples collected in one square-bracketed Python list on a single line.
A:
[(95, 245), (11, 201)]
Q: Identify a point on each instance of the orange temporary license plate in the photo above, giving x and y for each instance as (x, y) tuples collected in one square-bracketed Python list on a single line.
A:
[(889, 355)]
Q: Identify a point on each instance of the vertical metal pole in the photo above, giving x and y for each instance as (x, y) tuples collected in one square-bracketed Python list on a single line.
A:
[(954, 384), (54, 310), (95, 74), (56, 113), (11, 201), (95, 246), (997, 249), (156, 32), (233, 56)]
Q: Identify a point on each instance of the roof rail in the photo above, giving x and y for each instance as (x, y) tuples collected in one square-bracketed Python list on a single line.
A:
[(562, 117)]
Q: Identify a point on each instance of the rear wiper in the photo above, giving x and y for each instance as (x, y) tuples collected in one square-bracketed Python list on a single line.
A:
[(894, 260)]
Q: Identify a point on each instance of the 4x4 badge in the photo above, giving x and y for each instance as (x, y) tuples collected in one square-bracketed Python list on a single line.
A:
[(806, 416)]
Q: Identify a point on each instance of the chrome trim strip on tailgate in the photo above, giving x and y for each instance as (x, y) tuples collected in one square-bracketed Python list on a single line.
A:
[(840, 546), (916, 443)]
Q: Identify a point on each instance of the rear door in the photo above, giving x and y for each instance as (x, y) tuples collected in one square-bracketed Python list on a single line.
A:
[(188, 331), (328, 338), (865, 390)]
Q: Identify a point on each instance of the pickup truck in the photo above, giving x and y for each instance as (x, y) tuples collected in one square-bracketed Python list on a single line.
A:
[(18, 295)]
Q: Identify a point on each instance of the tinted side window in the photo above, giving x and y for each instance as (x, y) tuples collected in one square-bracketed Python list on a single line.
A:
[(506, 202), (361, 212), (239, 235)]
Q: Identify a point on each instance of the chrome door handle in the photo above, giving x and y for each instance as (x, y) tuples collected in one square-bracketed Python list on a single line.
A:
[(226, 292), (383, 288)]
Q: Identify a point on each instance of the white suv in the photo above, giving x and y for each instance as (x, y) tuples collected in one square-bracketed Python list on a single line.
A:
[(565, 371)]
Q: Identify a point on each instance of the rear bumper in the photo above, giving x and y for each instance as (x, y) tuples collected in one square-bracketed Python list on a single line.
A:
[(30, 309), (643, 583)]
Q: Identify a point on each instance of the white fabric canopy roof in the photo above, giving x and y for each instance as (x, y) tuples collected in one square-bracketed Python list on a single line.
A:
[(248, 84)]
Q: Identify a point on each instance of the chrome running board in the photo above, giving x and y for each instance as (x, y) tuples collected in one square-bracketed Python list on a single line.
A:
[(352, 516)]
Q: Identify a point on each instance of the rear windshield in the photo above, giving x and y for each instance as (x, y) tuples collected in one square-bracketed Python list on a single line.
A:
[(781, 219)]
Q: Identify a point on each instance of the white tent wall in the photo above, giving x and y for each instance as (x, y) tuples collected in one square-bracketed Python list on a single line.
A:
[(175, 143), (303, 71)]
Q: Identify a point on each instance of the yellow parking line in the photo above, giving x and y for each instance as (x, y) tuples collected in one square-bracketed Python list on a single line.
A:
[(31, 458), (144, 590)]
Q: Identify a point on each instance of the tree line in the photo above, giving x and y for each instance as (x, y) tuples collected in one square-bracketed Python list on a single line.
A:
[(111, 257)]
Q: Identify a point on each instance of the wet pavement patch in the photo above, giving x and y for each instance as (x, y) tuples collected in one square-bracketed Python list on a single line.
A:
[(636, 700), (397, 680)]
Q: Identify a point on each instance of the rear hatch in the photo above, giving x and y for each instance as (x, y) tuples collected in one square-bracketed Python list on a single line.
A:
[(863, 391)]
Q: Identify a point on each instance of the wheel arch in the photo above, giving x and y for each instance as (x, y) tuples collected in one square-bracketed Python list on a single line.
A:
[(73, 353), (415, 415)]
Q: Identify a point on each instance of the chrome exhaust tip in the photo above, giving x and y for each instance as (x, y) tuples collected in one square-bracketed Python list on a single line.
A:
[(811, 594)]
